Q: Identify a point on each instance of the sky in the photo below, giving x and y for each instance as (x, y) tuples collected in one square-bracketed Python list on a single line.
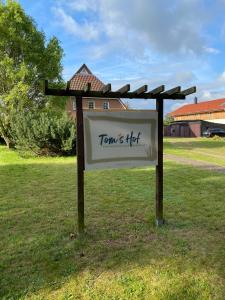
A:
[(178, 42)]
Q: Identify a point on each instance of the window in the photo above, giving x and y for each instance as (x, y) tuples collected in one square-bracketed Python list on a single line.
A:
[(74, 104), (106, 105), (91, 104)]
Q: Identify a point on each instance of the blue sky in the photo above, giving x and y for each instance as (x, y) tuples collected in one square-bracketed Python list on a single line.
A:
[(179, 42)]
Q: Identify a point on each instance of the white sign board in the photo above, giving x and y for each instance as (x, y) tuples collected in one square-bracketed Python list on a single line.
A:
[(120, 139)]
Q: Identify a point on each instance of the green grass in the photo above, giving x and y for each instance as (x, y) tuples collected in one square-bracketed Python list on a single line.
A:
[(123, 256), (205, 149)]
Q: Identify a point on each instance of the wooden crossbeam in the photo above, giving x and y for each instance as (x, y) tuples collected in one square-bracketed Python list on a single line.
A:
[(100, 94), (124, 89), (157, 90), (87, 87), (141, 90), (173, 94), (172, 91), (189, 91), (107, 88)]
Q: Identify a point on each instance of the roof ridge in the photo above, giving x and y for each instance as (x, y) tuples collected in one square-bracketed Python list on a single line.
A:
[(199, 102), (89, 73), (81, 78), (84, 66)]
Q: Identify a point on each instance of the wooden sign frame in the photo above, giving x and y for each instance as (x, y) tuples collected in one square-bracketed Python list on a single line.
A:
[(159, 94)]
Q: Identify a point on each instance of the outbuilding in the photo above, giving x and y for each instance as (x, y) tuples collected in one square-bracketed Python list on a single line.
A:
[(190, 128), (191, 120)]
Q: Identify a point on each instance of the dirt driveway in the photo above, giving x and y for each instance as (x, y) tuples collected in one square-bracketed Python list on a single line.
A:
[(195, 163)]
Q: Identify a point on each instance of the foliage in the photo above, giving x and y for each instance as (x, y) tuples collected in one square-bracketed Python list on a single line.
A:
[(168, 120), (43, 133), (218, 138), (26, 59), (123, 256)]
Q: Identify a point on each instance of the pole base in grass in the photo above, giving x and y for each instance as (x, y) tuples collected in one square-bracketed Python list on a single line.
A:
[(159, 222)]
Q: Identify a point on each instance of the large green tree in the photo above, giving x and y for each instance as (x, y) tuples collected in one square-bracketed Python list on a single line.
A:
[(26, 59)]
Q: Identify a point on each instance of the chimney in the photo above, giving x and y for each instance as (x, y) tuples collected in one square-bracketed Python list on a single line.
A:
[(195, 100)]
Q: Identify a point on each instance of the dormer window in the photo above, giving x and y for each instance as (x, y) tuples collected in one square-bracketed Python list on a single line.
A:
[(91, 104), (106, 105)]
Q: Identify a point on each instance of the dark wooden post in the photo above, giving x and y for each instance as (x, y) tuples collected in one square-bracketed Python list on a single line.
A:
[(159, 167), (80, 164)]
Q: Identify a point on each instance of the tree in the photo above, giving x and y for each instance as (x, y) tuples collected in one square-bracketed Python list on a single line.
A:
[(168, 120), (26, 59)]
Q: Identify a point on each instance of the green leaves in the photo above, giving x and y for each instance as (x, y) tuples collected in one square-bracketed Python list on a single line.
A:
[(168, 120), (26, 59), (43, 133), (13, 86)]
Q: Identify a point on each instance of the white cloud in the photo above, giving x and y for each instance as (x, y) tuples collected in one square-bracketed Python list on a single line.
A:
[(158, 42), (184, 77), (206, 95), (83, 5), (140, 26), (222, 77), (168, 28), (213, 88), (86, 30), (211, 50)]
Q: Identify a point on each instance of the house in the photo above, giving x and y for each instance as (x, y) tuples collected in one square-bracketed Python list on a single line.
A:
[(79, 81), (191, 120)]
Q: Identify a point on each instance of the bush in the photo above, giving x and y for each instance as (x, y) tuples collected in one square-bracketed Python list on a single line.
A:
[(43, 133), (217, 138)]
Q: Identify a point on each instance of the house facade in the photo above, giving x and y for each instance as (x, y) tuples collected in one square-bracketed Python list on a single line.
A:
[(78, 82)]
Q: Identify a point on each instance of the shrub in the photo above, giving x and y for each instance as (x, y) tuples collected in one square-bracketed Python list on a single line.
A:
[(43, 133), (217, 138)]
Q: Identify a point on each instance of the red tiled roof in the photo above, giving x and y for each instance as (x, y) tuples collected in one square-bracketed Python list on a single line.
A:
[(200, 108), (84, 76)]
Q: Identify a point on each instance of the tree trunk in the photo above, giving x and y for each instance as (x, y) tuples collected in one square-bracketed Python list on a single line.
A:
[(8, 142), (3, 134)]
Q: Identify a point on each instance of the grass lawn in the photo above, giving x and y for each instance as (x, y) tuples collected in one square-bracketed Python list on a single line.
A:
[(123, 256), (205, 149)]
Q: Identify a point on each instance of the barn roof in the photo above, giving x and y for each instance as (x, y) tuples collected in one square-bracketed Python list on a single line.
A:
[(84, 76), (200, 108)]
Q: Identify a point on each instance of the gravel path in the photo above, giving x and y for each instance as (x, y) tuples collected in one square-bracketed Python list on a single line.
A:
[(209, 153), (195, 163)]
